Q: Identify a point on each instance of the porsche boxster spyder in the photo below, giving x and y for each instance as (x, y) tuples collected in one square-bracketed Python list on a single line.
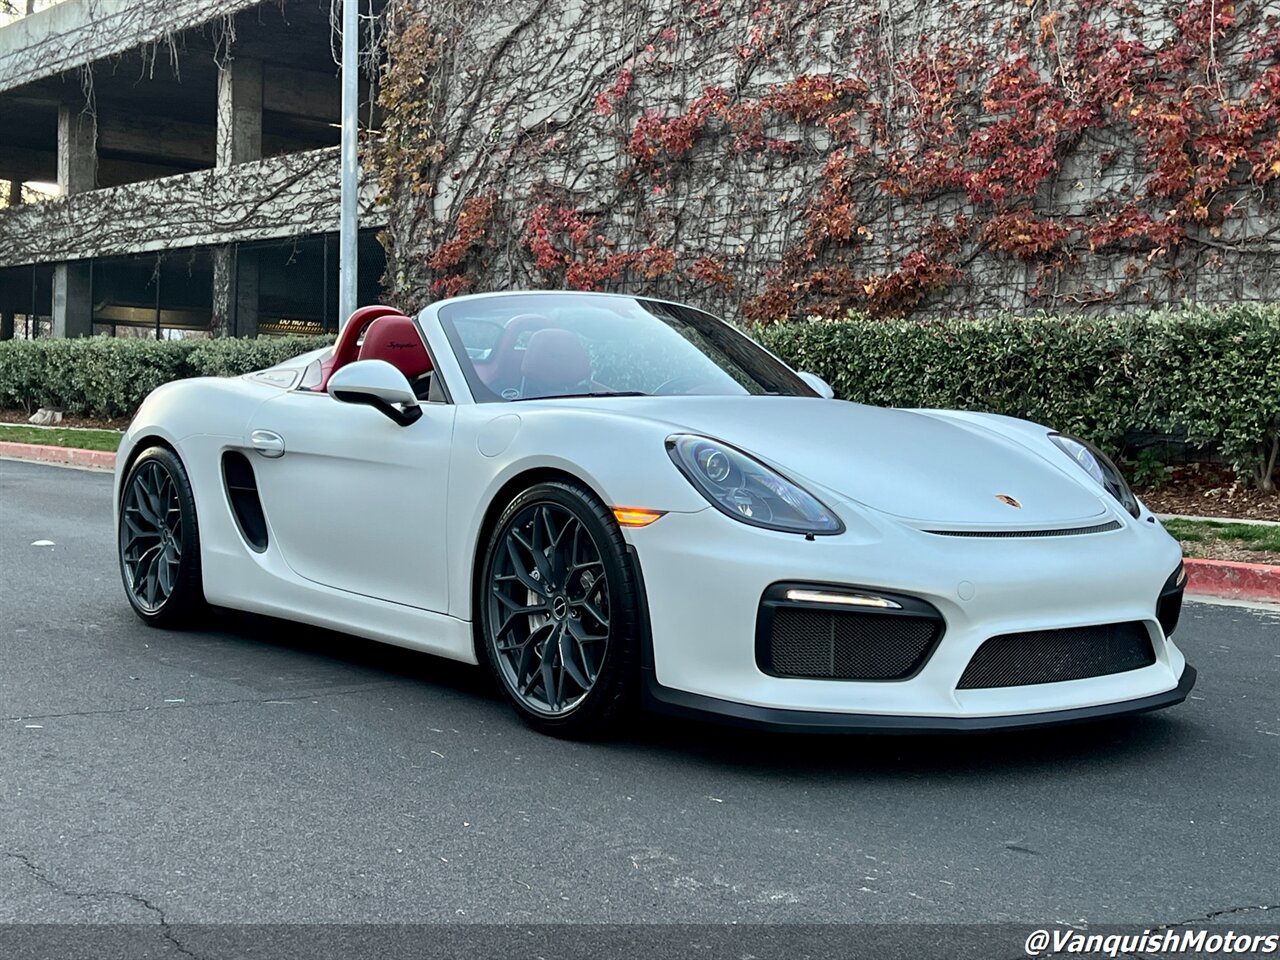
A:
[(613, 502)]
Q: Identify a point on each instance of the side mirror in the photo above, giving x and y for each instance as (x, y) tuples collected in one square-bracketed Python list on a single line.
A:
[(377, 384), (821, 386)]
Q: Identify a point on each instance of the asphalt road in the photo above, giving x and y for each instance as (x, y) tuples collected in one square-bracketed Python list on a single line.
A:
[(258, 772)]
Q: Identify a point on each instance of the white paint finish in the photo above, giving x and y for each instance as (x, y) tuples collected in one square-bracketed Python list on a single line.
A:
[(372, 378), (704, 574), (374, 528), (496, 435), (357, 502)]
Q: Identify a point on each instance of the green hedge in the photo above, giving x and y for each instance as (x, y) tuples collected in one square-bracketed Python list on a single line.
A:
[(1212, 375), (109, 377)]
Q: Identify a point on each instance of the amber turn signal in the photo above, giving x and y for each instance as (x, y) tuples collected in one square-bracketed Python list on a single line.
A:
[(635, 516)]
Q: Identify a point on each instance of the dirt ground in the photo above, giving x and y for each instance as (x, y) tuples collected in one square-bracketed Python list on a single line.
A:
[(1206, 490), (70, 420)]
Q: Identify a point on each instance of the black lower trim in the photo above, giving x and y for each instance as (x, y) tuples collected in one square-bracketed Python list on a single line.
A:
[(1169, 603), (404, 417), (694, 706)]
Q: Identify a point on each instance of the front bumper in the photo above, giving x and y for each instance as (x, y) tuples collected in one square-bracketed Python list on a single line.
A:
[(704, 575)]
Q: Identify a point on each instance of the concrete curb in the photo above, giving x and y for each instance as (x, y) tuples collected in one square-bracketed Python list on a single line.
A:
[(1244, 520), (65, 456), (1235, 581)]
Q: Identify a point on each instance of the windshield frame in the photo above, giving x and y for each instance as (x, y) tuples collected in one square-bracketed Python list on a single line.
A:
[(724, 336)]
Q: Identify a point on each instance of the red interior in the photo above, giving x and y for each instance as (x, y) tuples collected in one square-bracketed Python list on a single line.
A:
[(347, 348), (555, 361), (395, 339), (502, 369)]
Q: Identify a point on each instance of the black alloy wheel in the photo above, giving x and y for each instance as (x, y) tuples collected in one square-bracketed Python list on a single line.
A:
[(159, 543), (558, 611)]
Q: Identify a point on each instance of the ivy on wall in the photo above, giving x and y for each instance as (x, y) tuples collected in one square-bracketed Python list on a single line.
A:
[(781, 158)]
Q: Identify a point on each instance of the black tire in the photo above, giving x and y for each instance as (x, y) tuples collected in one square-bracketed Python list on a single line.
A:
[(158, 541), (581, 631)]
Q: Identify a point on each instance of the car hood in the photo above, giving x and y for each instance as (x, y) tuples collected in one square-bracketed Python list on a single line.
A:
[(914, 465)]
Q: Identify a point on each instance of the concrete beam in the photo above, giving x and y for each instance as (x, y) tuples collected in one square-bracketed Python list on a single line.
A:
[(239, 137), (76, 32), (302, 93), (289, 196), (25, 164), (77, 149), (73, 299), (156, 138), (114, 172)]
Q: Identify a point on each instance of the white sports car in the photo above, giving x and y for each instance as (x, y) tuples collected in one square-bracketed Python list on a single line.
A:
[(613, 501)]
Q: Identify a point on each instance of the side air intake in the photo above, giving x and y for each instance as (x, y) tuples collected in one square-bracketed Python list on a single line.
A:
[(242, 492)]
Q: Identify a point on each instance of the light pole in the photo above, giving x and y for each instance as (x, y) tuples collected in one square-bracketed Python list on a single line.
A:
[(350, 160)]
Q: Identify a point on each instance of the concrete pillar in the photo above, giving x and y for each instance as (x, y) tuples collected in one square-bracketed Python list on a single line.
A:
[(77, 149), (239, 112), (77, 172), (245, 320), (6, 319), (224, 269), (72, 299), (239, 140), (235, 292)]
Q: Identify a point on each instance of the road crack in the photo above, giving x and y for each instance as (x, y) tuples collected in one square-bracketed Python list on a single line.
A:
[(45, 880), (1224, 912)]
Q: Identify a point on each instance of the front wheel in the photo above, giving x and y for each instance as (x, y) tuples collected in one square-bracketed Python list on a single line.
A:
[(559, 612), (159, 541)]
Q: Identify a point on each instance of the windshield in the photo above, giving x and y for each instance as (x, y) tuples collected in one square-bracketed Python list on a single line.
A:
[(581, 344)]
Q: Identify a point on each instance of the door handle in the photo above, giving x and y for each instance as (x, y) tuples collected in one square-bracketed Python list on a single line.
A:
[(268, 443)]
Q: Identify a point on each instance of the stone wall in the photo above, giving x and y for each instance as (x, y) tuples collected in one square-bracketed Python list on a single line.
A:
[(774, 158)]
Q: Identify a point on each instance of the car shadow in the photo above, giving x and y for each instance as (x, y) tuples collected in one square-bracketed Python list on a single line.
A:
[(1014, 753), (1132, 741), (339, 655)]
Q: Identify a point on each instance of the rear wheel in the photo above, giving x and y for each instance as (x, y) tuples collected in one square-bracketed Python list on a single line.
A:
[(159, 541), (559, 612)]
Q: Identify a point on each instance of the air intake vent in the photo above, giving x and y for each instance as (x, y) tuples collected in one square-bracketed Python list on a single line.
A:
[(820, 641), (1051, 656), (1169, 606), (1059, 532), (242, 493)]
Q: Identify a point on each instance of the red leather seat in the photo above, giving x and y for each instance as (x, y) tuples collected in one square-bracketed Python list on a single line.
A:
[(555, 362), (502, 369), (396, 340), (348, 343)]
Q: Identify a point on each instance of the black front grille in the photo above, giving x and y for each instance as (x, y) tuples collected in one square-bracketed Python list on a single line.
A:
[(1056, 532), (807, 641), (1049, 656)]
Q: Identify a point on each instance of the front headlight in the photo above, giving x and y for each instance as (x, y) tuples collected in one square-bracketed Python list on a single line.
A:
[(1097, 465), (747, 490)]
